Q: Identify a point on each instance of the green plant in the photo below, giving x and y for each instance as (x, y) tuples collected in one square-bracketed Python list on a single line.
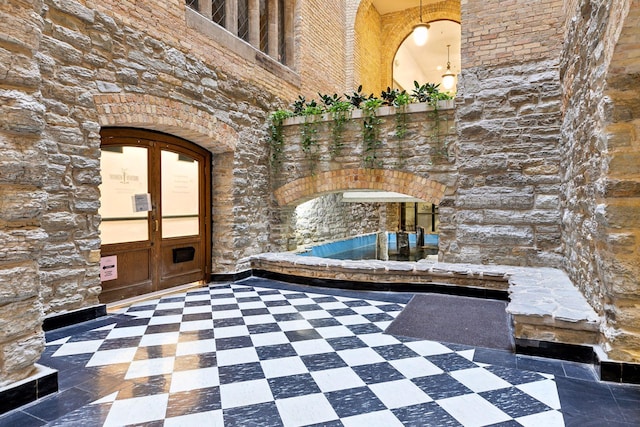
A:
[(340, 113), (401, 101), (389, 96), (357, 98), (429, 92), (328, 100), (371, 132), (308, 140), (276, 136), (299, 105), (426, 92), (440, 145)]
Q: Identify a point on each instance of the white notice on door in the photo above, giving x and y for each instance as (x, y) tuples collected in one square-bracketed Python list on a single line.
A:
[(108, 268), (141, 202)]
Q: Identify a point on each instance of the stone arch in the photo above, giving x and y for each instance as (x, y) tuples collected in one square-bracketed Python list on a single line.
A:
[(393, 29), (166, 115), (310, 187)]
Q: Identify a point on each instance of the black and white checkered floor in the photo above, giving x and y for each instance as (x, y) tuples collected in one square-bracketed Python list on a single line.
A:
[(251, 354)]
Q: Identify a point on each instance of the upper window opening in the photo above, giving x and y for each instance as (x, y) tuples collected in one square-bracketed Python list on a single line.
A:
[(265, 24)]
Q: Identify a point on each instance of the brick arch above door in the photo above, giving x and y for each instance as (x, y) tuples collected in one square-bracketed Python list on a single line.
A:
[(166, 115)]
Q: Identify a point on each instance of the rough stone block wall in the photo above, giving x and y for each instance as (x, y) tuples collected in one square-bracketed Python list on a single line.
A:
[(328, 218), (507, 205), (601, 196), (22, 197), (97, 49), (426, 149), (67, 60)]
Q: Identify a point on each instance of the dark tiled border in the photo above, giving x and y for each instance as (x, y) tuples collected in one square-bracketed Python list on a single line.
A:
[(619, 372), (556, 350), (612, 371), (231, 277), (28, 391), (438, 288), (73, 317)]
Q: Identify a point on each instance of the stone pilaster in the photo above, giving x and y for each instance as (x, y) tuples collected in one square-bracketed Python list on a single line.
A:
[(22, 199)]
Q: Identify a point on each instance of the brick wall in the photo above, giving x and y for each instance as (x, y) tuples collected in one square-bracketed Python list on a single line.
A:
[(322, 47), (368, 48), (510, 31), (397, 26)]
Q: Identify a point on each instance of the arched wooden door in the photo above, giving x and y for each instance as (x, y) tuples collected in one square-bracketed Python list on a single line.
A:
[(155, 208)]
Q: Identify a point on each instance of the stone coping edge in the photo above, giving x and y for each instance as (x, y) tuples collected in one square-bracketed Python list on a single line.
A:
[(417, 107), (537, 295)]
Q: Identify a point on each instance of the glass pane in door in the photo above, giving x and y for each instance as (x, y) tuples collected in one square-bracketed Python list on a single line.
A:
[(124, 174), (180, 195)]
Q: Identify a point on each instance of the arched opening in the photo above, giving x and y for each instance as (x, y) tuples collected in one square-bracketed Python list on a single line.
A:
[(429, 63), (348, 202), (359, 225)]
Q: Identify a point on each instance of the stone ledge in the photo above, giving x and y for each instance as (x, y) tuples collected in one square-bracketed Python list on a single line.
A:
[(544, 304)]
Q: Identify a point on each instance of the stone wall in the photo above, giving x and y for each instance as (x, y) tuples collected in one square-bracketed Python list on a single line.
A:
[(23, 200), (426, 149), (600, 166), (506, 206), (101, 57), (328, 218), (622, 195), (508, 117)]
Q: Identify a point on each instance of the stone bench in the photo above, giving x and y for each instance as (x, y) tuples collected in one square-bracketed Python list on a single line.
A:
[(544, 305)]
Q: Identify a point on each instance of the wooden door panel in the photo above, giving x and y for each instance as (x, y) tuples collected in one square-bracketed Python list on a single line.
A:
[(134, 274), (181, 261)]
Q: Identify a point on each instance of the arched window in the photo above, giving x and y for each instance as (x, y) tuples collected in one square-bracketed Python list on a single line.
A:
[(440, 55)]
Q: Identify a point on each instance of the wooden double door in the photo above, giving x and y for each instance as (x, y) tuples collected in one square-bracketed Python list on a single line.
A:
[(155, 203)]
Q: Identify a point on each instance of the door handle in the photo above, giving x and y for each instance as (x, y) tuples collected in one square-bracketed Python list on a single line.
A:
[(155, 225)]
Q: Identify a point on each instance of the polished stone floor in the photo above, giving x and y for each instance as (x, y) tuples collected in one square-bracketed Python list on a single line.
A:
[(264, 353)]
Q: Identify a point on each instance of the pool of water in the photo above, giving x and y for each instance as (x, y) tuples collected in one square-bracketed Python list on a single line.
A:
[(364, 247)]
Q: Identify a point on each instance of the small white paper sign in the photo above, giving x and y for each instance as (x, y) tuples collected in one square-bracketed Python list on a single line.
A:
[(108, 268), (141, 202)]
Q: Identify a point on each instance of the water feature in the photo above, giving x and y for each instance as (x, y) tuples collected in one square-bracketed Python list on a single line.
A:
[(364, 247)]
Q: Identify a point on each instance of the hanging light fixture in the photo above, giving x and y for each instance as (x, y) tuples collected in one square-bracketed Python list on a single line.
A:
[(420, 31), (448, 78)]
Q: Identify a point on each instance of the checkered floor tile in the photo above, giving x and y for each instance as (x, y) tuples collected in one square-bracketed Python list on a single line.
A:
[(243, 355)]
